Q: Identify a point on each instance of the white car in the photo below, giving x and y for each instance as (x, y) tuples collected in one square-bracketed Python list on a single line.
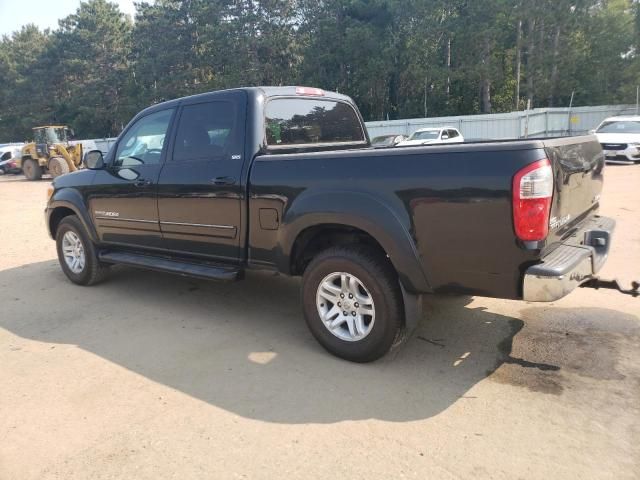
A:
[(620, 139), (430, 136), (9, 156)]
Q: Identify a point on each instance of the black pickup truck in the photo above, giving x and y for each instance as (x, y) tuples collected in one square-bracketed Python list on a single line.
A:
[(284, 178)]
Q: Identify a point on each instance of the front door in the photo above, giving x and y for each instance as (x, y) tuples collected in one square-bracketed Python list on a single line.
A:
[(123, 197), (200, 189)]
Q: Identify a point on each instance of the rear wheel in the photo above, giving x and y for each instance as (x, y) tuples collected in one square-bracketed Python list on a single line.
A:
[(352, 303), (32, 169), (58, 166), (77, 254)]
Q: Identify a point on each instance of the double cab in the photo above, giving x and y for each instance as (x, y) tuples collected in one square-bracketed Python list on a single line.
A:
[(285, 179)]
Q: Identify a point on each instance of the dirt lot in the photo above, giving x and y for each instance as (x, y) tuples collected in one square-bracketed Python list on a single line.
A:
[(152, 376)]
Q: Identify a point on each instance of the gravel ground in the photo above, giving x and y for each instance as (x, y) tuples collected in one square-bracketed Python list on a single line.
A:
[(152, 376)]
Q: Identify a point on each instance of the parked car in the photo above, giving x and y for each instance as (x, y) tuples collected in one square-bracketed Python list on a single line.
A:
[(10, 158), (620, 139), (387, 140), (431, 136), (284, 179)]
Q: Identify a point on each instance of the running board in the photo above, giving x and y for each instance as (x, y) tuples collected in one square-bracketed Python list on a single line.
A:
[(163, 264)]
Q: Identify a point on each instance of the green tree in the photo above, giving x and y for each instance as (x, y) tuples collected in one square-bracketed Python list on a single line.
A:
[(92, 48)]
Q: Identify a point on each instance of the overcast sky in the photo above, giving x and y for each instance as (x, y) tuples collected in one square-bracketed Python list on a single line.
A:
[(44, 13)]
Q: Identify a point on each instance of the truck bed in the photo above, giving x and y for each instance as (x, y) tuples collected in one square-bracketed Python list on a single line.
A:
[(452, 202)]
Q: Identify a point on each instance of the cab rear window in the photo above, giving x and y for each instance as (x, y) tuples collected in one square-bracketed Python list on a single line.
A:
[(301, 122)]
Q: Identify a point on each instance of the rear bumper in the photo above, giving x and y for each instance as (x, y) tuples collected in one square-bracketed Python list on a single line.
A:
[(574, 262)]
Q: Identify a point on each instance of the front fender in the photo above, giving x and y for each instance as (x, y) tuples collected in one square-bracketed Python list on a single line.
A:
[(359, 210), (71, 199)]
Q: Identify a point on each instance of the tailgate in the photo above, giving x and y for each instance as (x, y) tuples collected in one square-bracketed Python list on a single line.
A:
[(578, 164)]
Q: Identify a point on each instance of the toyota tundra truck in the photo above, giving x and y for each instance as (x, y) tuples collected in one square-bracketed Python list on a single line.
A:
[(285, 179)]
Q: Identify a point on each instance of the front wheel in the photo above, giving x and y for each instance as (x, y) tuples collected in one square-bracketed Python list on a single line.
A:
[(352, 303), (77, 254), (58, 166)]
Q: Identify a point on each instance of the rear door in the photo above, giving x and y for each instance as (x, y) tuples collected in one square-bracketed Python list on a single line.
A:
[(199, 189)]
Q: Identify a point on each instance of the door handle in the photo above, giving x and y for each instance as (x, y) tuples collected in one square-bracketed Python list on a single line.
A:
[(223, 181), (141, 182)]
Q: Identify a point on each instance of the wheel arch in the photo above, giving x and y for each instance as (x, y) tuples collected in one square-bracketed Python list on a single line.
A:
[(65, 203), (349, 217)]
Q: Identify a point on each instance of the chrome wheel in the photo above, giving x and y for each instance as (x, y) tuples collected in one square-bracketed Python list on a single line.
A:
[(345, 306), (73, 252)]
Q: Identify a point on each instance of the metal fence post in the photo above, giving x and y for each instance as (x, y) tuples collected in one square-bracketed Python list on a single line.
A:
[(546, 123)]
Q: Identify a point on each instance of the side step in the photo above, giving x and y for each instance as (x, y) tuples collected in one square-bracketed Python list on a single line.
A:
[(180, 267)]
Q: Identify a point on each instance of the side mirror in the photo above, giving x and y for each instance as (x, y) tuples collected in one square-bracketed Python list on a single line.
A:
[(592, 132), (445, 137), (93, 160)]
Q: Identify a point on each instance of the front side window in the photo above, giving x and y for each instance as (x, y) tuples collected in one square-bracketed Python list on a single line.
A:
[(143, 142), (302, 122), (205, 131)]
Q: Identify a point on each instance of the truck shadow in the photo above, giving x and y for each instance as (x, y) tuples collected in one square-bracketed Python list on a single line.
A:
[(245, 348)]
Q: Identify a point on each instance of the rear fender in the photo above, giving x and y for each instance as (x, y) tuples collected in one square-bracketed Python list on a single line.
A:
[(357, 210)]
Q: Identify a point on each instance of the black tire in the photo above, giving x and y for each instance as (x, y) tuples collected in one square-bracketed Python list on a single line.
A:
[(58, 166), (377, 275), (31, 169), (93, 271)]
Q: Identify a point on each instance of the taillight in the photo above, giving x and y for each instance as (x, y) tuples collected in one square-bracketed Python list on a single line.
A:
[(532, 193), (316, 92)]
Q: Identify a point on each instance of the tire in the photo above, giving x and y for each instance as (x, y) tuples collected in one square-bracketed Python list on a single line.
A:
[(58, 166), (32, 169), (376, 280), (92, 270)]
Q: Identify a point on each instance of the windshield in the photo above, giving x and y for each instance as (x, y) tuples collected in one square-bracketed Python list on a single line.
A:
[(426, 135), (623, 126)]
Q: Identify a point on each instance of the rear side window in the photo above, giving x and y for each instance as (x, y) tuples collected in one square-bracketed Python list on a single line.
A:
[(300, 122), (206, 131)]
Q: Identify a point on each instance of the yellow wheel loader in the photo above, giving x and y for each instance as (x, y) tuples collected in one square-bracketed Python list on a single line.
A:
[(50, 152)]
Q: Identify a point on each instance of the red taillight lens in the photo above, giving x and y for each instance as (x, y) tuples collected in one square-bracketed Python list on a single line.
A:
[(532, 194), (316, 92)]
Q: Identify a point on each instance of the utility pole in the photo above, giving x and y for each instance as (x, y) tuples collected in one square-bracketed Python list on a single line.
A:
[(425, 98), (569, 113), (638, 100), (526, 122)]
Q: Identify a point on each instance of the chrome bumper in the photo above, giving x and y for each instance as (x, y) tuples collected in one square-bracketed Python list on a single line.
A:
[(570, 265)]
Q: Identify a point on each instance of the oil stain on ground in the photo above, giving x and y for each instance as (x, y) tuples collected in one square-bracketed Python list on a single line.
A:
[(551, 344)]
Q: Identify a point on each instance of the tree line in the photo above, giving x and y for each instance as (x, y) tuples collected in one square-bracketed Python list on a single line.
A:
[(396, 58)]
